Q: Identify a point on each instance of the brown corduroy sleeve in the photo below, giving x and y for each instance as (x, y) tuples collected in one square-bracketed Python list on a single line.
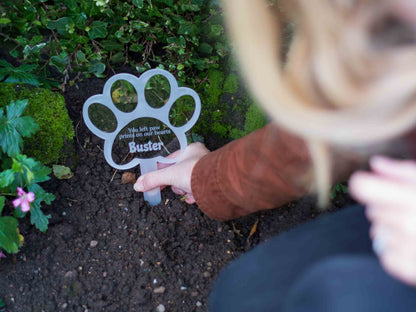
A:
[(260, 171)]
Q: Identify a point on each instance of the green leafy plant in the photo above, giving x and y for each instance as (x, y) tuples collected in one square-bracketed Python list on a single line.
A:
[(20, 172), (339, 188), (182, 36), (82, 38)]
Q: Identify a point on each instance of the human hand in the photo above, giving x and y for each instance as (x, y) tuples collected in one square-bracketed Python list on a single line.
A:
[(389, 193), (178, 175)]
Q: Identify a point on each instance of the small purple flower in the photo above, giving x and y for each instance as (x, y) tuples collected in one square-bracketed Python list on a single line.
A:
[(23, 200), (2, 255)]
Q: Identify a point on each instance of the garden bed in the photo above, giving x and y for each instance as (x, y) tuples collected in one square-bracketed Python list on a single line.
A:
[(107, 250)]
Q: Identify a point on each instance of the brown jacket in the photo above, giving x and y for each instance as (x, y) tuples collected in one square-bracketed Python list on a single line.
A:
[(257, 172), (262, 171)]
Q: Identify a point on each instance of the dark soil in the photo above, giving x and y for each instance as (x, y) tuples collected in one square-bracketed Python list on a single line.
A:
[(107, 250)]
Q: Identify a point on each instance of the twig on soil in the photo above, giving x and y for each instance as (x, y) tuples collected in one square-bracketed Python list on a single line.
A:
[(76, 135), (115, 171), (253, 230), (160, 140), (235, 230), (114, 174)]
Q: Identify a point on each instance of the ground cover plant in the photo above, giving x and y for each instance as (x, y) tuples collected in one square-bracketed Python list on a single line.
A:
[(105, 248), (19, 172), (82, 38)]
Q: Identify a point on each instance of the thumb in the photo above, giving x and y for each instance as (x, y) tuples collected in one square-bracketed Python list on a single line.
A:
[(154, 179)]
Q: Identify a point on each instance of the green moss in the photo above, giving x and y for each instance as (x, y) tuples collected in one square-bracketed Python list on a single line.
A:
[(49, 111), (255, 119), (214, 91), (231, 83), (227, 111), (212, 109)]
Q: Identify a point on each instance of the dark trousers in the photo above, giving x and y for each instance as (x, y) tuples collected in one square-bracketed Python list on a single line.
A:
[(324, 265)]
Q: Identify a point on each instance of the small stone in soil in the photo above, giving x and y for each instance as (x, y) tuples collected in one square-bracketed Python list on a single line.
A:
[(206, 274), (93, 243), (159, 290), (70, 274), (199, 304), (160, 308)]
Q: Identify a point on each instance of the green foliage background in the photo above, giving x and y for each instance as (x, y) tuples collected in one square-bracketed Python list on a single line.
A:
[(77, 38), (184, 37)]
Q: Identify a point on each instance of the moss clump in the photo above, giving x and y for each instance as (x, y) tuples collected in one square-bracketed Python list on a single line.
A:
[(213, 110), (255, 119), (227, 109), (49, 111), (231, 83), (214, 91)]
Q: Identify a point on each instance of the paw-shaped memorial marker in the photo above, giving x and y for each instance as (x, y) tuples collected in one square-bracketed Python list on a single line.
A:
[(137, 133)]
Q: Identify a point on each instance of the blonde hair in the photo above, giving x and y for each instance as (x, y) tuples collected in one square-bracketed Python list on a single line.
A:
[(339, 86)]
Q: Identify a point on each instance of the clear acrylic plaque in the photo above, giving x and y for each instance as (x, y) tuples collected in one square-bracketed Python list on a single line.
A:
[(138, 133)]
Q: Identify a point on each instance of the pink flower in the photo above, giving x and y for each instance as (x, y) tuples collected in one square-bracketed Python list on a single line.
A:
[(2, 255), (23, 200)]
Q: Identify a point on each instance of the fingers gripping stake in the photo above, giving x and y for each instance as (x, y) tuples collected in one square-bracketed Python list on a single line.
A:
[(142, 111), (153, 196)]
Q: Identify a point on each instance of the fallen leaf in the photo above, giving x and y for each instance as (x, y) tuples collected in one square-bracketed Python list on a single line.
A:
[(62, 172), (128, 177), (235, 230), (253, 229)]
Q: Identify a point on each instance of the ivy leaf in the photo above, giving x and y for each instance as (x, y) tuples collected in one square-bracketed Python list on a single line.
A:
[(138, 3), (60, 25), (96, 68), (205, 48), (185, 28), (111, 45), (98, 29), (13, 127), (136, 47), (30, 50), (60, 62), (2, 201), (167, 2), (217, 30), (80, 56), (10, 239), (191, 7), (81, 39)]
